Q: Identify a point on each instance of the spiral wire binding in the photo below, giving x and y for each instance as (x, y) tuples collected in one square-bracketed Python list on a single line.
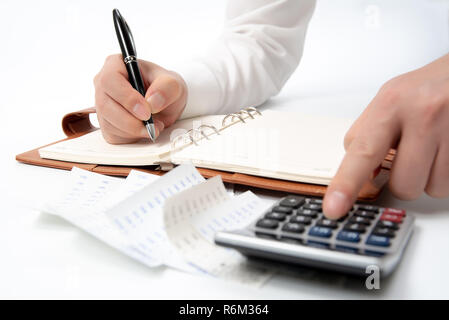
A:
[(190, 134), (240, 113), (210, 127)]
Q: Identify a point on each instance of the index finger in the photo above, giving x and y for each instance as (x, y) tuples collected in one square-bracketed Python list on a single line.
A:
[(118, 88), (364, 154)]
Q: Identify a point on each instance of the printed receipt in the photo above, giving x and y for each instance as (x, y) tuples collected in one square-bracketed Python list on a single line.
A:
[(87, 196), (191, 219), (167, 220), (140, 216)]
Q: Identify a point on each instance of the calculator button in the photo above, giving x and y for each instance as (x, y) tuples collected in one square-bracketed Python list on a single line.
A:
[(374, 253), (312, 206), (391, 217), (385, 232), (318, 244), (308, 213), (365, 214), (397, 212), (280, 209), (327, 223), (291, 240), (265, 235), (348, 236), (347, 249), (292, 201), (378, 241), (357, 227), (275, 216), (368, 208), (301, 219), (322, 232), (387, 224), (360, 220), (317, 201), (267, 224), (293, 227)]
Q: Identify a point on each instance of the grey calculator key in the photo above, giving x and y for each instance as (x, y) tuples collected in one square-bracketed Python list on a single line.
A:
[(355, 227), (365, 214), (292, 201), (361, 220), (301, 219), (293, 227), (384, 232), (281, 209), (276, 216), (387, 224), (327, 223), (369, 208), (312, 206), (267, 224), (307, 213)]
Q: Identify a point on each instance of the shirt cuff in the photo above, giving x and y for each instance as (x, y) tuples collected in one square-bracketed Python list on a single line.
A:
[(203, 90)]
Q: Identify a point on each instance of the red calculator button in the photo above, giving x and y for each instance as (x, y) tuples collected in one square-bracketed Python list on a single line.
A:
[(391, 217), (397, 212)]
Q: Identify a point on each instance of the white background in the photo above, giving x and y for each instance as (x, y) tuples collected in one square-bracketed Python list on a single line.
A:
[(51, 51)]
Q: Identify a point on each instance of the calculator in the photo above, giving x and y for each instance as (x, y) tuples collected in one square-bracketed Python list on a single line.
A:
[(295, 230)]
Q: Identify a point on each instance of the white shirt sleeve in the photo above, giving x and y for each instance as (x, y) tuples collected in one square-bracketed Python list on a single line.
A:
[(260, 47)]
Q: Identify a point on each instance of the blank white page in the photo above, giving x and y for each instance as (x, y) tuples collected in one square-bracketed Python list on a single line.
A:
[(280, 145)]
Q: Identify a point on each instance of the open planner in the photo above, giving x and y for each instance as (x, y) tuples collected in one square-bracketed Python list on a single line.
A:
[(283, 151)]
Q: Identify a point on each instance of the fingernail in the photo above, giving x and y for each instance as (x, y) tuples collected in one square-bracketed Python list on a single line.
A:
[(156, 101), (144, 133), (159, 127), (335, 204), (141, 112)]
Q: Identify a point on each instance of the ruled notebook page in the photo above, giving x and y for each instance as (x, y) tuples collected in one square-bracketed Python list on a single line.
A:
[(280, 145)]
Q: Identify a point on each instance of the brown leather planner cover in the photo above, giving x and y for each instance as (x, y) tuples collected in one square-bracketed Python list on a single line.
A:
[(78, 123)]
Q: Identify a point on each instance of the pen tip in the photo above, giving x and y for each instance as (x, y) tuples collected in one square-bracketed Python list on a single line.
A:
[(151, 131)]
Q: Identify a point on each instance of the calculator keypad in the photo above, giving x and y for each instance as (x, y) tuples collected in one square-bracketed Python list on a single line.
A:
[(366, 229)]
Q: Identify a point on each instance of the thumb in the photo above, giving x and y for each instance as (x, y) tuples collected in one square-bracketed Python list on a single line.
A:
[(163, 91)]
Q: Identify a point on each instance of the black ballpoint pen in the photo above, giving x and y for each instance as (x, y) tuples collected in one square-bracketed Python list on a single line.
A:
[(126, 41)]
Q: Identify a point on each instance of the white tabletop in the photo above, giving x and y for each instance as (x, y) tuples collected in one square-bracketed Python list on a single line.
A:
[(46, 257)]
